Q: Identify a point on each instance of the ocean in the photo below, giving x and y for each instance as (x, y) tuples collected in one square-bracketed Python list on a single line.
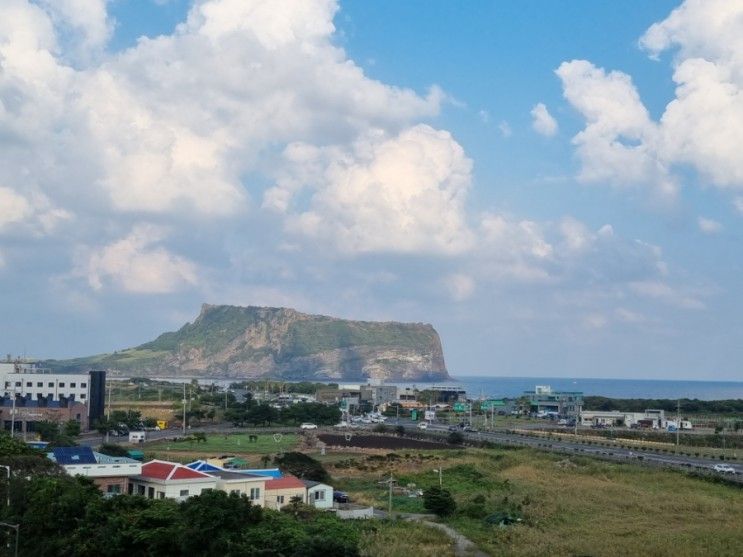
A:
[(511, 387), (502, 387)]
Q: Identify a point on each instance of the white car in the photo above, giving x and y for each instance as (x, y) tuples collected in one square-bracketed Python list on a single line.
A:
[(724, 469), (308, 426), (423, 425)]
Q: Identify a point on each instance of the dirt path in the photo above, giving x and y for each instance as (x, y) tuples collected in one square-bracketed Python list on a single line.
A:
[(463, 547)]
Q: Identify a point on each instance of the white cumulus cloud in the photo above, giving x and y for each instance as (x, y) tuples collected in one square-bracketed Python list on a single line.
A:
[(392, 194), (700, 128), (136, 264), (709, 226), (542, 121)]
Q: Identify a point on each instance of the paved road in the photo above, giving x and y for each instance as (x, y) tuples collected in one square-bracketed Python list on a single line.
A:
[(612, 452)]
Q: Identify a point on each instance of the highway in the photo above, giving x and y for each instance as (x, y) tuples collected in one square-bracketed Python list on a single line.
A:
[(607, 451)]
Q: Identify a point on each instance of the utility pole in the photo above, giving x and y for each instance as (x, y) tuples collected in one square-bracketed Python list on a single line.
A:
[(389, 483), (12, 415), (184, 409), (389, 506), (108, 411), (15, 527), (7, 492), (678, 420)]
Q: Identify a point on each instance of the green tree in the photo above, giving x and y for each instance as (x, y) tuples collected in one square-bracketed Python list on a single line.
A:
[(212, 521), (455, 438), (71, 428), (47, 430), (302, 466), (439, 501), (111, 449)]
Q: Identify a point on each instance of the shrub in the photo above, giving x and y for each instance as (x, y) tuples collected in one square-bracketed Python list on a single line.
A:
[(439, 501), (455, 438)]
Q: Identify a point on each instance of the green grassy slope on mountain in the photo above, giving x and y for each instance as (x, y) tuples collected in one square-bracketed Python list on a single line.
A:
[(281, 340)]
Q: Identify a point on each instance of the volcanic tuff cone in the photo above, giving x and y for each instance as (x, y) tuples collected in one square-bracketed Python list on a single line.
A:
[(249, 342)]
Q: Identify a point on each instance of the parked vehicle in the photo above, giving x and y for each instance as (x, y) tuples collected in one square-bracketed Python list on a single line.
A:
[(308, 426), (340, 497), (724, 469), (423, 425), (137, 436)]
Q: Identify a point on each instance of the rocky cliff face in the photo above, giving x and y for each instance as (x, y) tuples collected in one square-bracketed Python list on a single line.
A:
[(250, 342)]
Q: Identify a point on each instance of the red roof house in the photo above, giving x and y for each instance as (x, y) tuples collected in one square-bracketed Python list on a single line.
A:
[(161, 479), (280, 491)]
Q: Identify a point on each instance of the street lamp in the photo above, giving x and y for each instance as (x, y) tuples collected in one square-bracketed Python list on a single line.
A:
[(12, 414), (15, 527), (7, 493), (441, 480)]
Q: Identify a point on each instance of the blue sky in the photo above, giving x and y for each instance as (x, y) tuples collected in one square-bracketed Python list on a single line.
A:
[(556, 187)]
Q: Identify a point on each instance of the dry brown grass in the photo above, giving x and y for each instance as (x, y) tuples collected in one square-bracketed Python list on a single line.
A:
[(399, 539), (592, 508)]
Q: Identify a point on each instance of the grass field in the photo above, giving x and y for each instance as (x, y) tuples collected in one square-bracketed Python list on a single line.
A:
[(398, 538), (567, 507), (236, 443)]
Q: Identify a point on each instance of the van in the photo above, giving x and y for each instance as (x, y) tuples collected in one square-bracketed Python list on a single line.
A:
[(136, 436)]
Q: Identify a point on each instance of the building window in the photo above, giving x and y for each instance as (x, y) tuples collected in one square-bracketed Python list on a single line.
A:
[(29, 384), (40, 384), (255, 493), (116, 488), (7, 384), (184, 493), (319, 496), (140, 490), (161, 495), (17, 383), (151, 492), (61, 385), (280, 499), (51, 385), (83, 385), (82, 397), (73, 385), (234, 492)]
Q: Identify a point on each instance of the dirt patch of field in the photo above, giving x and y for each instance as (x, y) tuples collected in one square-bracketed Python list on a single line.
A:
[(380, 442)]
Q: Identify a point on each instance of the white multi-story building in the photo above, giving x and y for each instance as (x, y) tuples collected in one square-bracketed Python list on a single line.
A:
[(24, 379), (25, 387)]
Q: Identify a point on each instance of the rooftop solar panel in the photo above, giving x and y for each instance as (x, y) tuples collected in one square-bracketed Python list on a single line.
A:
[(74, 455)]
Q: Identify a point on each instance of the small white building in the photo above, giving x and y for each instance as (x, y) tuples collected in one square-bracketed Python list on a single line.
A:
[(319, 495), (250, 485), (160, 479), (110, 473), (654, 419)]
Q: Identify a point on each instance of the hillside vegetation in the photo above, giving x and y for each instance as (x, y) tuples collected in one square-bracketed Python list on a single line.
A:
[(256, 341)]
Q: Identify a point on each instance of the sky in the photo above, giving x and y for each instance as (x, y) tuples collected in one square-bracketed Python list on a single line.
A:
[(556, 187)]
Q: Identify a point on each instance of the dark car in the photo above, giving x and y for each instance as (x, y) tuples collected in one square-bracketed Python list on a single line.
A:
[(340, 497)]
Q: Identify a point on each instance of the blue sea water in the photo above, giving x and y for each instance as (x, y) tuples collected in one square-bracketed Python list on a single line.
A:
[(509, 387)]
